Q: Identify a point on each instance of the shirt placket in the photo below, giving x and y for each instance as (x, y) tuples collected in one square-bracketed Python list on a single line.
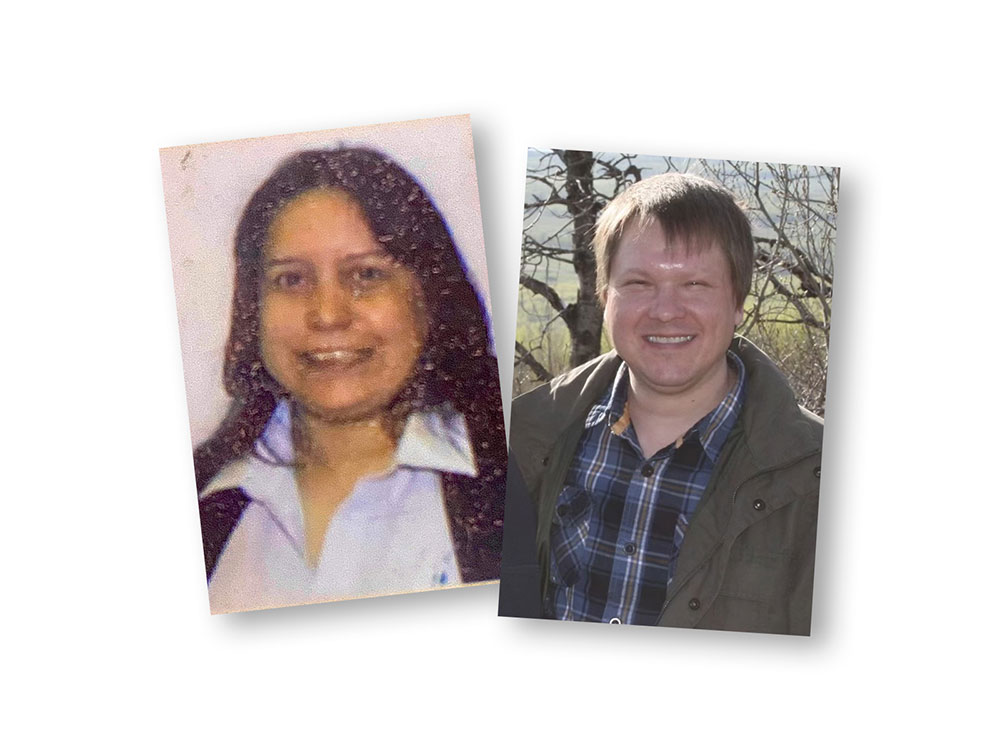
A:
[(626, 571)]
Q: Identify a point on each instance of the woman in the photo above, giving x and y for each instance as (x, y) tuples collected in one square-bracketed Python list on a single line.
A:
[(364, 452)]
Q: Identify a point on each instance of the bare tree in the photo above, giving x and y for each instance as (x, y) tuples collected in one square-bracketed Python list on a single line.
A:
[(793, 209), (565, 192)]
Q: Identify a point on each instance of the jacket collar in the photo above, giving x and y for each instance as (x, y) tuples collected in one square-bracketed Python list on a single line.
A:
[(777, 429)]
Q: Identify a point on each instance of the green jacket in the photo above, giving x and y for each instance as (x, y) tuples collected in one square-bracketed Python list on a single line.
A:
[(748, 555)]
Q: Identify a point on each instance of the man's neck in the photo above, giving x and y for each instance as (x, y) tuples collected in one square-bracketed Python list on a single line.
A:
[(661, 418)]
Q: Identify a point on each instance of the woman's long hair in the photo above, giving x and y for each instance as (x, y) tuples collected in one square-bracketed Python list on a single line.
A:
[(455, 366)]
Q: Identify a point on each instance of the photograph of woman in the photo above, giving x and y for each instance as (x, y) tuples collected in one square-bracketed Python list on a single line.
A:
[(363, 451)]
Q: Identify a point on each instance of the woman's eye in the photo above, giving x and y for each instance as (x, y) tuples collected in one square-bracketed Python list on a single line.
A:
[(288, 280), (369, 275)]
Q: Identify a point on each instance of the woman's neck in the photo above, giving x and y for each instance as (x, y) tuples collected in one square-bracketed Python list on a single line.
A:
[(367, 445), (331, 458)]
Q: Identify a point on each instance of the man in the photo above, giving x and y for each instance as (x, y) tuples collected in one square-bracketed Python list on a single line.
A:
[(675, 480)]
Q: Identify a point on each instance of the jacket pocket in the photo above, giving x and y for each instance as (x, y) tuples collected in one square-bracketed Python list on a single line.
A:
[(570, 531)]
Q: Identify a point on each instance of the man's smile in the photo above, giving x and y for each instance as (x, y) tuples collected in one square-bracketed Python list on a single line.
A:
[(668, 339)]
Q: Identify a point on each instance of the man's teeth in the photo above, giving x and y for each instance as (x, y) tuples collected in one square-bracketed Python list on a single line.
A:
[(668, 339)]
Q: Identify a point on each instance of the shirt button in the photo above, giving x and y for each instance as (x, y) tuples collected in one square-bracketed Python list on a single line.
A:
[(647, 470), (759, 504), (694, 604), (615, 621), (630, 549)]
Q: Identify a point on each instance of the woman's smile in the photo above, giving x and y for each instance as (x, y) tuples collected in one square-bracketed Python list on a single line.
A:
[(342, 323), (337, 358)]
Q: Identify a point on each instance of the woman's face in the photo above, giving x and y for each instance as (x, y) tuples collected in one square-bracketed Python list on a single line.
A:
[(342, 324)]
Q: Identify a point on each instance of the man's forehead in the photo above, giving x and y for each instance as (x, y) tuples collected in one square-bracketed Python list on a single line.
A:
[(649, 236)]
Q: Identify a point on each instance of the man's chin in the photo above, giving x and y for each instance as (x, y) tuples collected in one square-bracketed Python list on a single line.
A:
[(672, 380)]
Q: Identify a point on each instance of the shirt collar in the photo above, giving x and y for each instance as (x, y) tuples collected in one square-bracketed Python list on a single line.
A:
[(611, 406), (436, 439), (711, 430)]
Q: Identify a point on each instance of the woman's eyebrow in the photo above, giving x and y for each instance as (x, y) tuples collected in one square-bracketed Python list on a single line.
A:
[(270, 262), (376, 254), (366, 257)]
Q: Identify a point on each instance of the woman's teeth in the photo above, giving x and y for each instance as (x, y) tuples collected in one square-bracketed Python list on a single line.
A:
[(337, 356)]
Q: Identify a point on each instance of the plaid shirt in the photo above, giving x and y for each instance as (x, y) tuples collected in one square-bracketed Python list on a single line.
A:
[(620, 518)]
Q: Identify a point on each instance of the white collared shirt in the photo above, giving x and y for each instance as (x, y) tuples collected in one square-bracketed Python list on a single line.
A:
[(391, 535)]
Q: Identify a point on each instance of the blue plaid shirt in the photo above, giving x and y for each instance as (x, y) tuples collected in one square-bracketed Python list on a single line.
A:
[(620, 518)]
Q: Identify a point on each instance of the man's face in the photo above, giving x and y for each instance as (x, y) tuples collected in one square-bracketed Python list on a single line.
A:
[(670, 310)]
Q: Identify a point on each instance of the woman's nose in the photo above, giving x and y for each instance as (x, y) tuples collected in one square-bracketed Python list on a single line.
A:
[(330, 306)]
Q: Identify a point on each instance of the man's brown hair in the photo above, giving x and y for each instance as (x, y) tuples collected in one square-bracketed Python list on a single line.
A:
[(688, 207)]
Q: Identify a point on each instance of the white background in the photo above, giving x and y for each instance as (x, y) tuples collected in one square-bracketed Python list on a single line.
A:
[(107, 637)]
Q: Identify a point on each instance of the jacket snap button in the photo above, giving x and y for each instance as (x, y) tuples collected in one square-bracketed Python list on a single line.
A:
[(545, 461), (630, 549), (694, 604), (615, 621), (759, 504), (647, 470), (816, 472)]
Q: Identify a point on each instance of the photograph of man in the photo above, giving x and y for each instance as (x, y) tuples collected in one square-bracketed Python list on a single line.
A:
[(673, 480)]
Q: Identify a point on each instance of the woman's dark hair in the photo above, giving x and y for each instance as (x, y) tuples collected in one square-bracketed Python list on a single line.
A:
[(456, 365)]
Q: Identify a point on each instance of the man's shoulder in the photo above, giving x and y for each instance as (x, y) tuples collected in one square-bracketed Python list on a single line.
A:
[(813, 421), (774, 421), (539, 416), (585, 382)]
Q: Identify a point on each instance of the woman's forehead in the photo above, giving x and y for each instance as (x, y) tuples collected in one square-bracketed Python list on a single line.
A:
[(315, 202), (320, 219)]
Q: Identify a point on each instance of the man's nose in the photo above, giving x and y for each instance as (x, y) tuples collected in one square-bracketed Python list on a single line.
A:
[(666, 304), (330, 306)]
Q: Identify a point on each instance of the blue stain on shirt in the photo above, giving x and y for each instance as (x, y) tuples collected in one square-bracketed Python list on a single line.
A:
[(443, 578)]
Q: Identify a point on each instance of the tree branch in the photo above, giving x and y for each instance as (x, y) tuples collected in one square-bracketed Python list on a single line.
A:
[(543, 290), (527, 358)]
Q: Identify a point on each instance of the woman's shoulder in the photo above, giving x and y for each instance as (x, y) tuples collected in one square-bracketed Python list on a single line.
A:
[(221, 510)]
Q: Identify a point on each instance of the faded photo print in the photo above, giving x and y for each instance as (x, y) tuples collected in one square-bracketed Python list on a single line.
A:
[(669, 391), (346, 422)]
